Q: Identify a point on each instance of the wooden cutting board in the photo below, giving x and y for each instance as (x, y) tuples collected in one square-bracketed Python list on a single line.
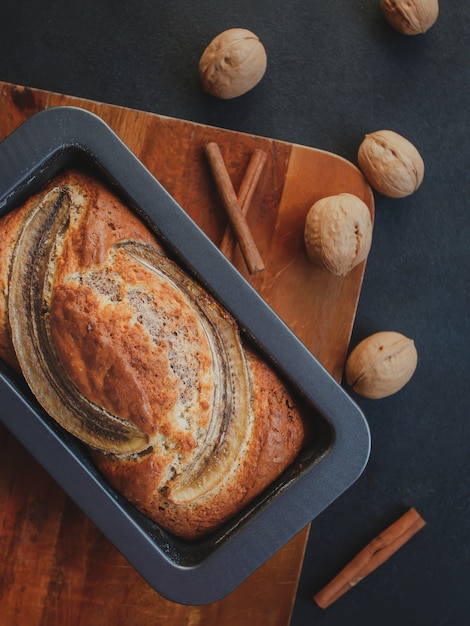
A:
[(56, 568)]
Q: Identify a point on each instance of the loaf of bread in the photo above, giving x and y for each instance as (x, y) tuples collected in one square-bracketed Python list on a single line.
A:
[(132, 356)]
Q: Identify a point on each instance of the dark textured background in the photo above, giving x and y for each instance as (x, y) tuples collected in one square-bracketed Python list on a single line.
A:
[(336, 70)]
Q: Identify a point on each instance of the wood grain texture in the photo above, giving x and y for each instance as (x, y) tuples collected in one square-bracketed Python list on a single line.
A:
[(56, 568)]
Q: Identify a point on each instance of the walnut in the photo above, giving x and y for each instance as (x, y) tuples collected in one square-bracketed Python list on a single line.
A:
[(410, 17), (381, 364), (232, 64), (391, 163), (338, 233)]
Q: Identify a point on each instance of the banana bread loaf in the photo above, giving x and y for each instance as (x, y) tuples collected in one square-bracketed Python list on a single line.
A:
[(131, 355)]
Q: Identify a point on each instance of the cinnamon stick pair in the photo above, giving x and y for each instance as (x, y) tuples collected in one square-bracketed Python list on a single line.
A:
[(237, 207), (369, 559)]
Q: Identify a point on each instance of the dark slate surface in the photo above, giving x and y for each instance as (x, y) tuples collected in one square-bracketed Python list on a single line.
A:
[(336, 70)]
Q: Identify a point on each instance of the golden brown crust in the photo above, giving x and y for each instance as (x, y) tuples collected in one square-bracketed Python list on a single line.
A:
[(131, 341), (106, 221), (105, 350), (276, 440)]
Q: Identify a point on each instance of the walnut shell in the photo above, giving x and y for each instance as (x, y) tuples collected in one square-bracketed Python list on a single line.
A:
[(391, 163), (410, 17), (338, 233), (232, 64), (381, 364)]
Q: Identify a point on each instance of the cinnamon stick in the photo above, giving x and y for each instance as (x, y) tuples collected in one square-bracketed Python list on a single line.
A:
[(238, 222), (245, 195), (371, 557)]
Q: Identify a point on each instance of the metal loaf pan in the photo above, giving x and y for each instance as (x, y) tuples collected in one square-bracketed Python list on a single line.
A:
[(185, 572)]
